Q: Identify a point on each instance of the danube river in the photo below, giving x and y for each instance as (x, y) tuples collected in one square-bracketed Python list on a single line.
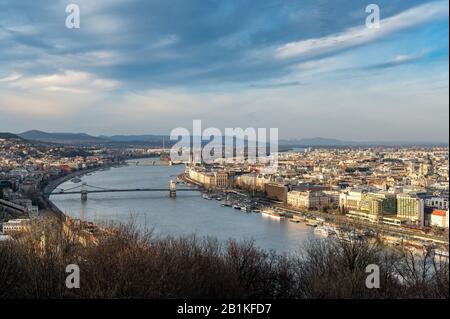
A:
[(187, 214)]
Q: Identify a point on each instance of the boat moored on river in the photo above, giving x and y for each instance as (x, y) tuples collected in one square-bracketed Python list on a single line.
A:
[(273, 214)]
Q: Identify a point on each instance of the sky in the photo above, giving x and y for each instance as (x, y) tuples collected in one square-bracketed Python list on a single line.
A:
[(307, 67)]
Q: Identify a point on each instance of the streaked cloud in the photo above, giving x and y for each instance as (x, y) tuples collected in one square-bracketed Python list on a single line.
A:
[(67, 81), (11, 78), (361, 34), (399, 60)]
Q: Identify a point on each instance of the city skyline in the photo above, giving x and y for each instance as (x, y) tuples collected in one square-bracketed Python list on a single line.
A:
[(310, 68)]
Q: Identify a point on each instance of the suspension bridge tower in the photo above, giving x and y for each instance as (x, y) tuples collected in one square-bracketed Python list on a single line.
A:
[(172, 189), (84, 192)]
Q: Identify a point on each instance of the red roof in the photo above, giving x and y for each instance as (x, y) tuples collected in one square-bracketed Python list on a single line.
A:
[(438, 212)]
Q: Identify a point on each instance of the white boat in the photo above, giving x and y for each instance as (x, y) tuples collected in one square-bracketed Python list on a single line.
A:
[(267, 212), (272, 214)]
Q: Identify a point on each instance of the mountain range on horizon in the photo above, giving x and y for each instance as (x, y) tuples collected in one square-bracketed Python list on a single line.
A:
[(154, 139), (9, 136)]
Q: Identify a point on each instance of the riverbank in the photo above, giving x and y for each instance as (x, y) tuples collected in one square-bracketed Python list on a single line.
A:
[(46, 191), (53, 184), (341, 219), (392, 235)]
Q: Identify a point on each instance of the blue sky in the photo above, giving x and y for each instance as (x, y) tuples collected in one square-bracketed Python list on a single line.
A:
[(308, 67)]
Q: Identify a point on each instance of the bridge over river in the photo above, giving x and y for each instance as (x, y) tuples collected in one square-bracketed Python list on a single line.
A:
[(85, 189)]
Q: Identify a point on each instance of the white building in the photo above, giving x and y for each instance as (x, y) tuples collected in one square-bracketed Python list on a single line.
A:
[(437, 202), (308, 199), (15, 225), (411, 207), (439, 218), (351, 199)]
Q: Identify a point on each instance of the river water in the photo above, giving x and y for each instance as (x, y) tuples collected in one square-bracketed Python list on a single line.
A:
[(186, 214)]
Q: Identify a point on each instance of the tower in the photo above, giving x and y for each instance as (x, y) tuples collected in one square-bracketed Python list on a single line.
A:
[(84, 192), (172, 189)]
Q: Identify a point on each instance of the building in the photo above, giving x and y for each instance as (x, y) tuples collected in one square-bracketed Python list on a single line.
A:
[(439, 218), (246, 181), (411, 207), (426, 169), (219, 179), (437, 202), (378, 203), (277, 192), (351, 199), (16, 225), (308, 200), (29, 187), (32, 210), (251, 182), (389, 220), (334, 197)]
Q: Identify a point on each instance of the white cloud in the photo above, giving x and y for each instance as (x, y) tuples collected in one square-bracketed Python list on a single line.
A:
[(362, 34), (402, 58), (165, 41), (315, 65), (68, 81), (11, 78)]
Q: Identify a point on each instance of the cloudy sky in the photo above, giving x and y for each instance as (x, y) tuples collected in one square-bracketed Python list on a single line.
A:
[(308, 67)]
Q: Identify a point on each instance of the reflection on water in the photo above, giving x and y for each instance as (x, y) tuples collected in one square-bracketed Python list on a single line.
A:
[(187, 214)]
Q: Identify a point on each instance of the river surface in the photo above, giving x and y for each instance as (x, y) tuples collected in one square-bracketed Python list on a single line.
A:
[(186, 214)]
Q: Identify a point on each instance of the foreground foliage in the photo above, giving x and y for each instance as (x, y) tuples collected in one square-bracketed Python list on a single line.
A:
[(129, 264)]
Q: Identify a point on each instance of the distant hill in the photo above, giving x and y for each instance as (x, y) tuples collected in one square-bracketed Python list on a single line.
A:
[(63, 138), (135, 138), (315, 141), (9, 136), (86, 139), (151, 140)]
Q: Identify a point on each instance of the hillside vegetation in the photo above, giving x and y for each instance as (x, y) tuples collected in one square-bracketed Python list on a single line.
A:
[(129, 264)]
